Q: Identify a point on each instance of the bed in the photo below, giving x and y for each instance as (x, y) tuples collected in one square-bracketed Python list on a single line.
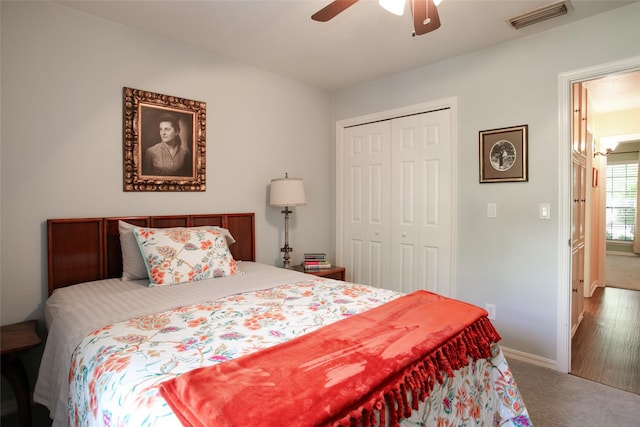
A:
[(236, 342)]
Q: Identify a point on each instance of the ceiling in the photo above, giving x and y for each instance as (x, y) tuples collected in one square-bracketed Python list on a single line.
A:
[(362, 43), (615, 92)]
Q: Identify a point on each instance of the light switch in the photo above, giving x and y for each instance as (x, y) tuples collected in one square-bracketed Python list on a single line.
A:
[(544, 211), (492, 210)]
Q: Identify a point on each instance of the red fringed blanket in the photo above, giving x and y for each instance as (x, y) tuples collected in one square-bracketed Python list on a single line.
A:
[(347, 371)]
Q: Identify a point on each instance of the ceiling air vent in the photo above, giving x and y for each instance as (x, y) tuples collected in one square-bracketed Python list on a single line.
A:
[(539, 15)]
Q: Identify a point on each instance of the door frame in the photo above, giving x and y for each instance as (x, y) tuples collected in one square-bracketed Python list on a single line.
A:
[(452, 104), (565, 81)]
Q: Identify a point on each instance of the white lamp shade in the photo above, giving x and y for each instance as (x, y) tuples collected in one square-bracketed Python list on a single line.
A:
[(287, 192), (609, 142)]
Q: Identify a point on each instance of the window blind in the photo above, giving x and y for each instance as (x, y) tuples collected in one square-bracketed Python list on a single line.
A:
[(622, 183)]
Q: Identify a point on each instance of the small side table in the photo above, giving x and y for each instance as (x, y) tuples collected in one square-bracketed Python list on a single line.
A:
[(17, 339), (330, 273)]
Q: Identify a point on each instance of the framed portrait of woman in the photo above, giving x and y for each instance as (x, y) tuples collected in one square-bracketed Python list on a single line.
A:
[(164, 142)]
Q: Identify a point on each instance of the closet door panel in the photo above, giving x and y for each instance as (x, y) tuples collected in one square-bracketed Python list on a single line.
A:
[(429, 270), (353, 253), (421, 205), (406, 278), (430, 197), (366, 195), (378, 264), (436, 215), (404, 211)]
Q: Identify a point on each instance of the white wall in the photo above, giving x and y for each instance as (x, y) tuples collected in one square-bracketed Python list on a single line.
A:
[(512, 260), (62, 77)]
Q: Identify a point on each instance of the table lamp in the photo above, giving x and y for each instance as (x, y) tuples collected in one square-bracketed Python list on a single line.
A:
[(286, 192)]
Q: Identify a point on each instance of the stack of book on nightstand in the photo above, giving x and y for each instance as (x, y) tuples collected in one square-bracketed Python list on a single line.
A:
[(315, 261)]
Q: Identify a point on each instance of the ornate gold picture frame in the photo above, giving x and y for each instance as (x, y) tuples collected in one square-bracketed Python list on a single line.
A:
[(503, 154), (164, 142)]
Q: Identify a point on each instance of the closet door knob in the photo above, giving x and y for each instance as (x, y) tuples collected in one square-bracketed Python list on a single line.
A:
[(404, 234)]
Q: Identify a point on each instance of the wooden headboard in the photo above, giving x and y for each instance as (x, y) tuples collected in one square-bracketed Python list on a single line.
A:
[(87, 249)]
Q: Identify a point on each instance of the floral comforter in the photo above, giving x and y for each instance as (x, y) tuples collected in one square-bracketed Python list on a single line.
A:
[(116, 370)]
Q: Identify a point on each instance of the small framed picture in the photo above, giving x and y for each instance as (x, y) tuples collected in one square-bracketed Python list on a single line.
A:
[(164, 142), (503, 154)]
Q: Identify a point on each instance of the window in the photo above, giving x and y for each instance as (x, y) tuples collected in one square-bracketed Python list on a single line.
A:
[(622, 188)]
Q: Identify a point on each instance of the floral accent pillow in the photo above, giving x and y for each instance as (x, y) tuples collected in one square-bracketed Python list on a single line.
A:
[(179, 255), (133, 265)]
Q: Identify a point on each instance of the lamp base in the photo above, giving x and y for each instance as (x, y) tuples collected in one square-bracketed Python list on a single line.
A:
[(286, 249), (286, 259)]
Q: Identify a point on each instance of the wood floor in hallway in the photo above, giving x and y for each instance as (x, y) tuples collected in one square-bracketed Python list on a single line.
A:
[(606, 346)]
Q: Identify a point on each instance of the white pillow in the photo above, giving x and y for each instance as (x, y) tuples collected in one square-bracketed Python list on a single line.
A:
[(180, 255), (133, 265)]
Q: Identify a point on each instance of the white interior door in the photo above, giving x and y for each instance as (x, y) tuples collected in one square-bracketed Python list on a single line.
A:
[(421, 202), (397, 203), (366, 218)]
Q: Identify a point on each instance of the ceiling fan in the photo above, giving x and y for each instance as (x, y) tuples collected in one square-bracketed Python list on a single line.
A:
[(425, 12)]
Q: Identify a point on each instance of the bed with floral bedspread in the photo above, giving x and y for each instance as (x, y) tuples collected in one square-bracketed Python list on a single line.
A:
[(116, 370), (184, 332)]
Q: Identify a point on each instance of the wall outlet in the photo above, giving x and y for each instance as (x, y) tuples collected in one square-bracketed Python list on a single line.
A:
[(491, 309)]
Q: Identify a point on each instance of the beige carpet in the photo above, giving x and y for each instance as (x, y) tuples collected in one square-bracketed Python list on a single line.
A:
[(623, 271), (554, 399)]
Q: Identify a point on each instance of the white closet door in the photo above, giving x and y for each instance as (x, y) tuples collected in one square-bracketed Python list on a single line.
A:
[(421, 203), (397, 204), (367, 178)]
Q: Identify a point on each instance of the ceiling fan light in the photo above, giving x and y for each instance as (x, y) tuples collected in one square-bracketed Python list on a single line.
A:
[(394, 6)]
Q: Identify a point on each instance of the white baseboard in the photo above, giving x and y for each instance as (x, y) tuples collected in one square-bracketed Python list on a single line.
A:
[(529, 358), (595, 285), (575, 327)]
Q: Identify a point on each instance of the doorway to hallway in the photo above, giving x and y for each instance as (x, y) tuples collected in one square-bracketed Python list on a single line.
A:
[(600, 348)]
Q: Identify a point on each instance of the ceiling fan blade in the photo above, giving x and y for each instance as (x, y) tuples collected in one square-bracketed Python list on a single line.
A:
[(425, 16), (331, 10)]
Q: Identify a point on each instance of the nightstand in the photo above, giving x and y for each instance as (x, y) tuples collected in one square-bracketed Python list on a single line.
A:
[(17, 339), (330, 273)]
